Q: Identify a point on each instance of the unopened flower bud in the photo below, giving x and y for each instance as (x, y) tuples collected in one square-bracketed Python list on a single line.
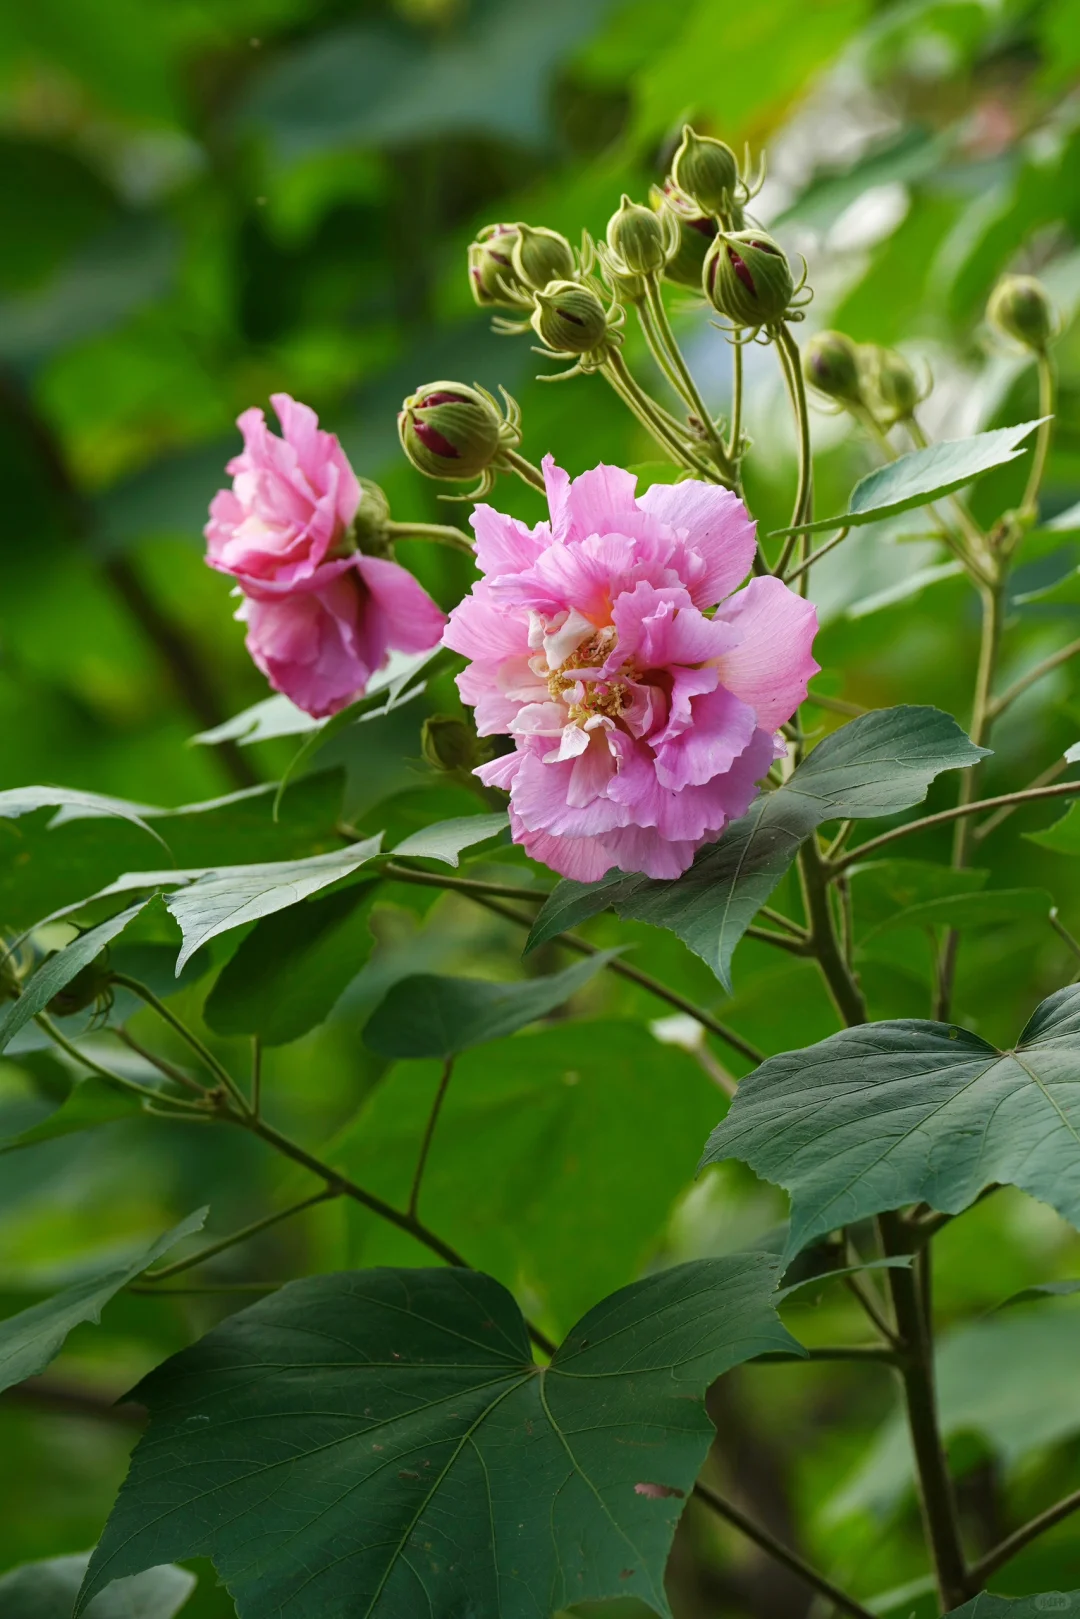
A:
[(830, 363), (1020, 308), (89, 987), (449, 430), (747, 278), (638, 238), (541, 255), (491, 267), (891, 382), (696, 232), (369, 526), (707, 171), (450, 744), (570, 318)]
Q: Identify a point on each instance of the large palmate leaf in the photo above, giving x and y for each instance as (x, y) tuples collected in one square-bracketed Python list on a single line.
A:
[(375, 1444), (233, 895), (30, 1340), (879, 764), (48, 1591), (925, 475), (539, 1136), (58, 970), (909, 1111), (430, 1016)]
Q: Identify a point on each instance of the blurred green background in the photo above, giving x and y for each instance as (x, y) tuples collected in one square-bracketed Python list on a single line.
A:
[(201, 203)]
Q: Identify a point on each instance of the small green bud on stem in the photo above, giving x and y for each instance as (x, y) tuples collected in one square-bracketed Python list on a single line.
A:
[(696, 232), (369, 526), (706, 170), (491, 268), (541, 255), (89, 987), (451, 745), (831, 365), (640, 239), (891, 384), (1020, 308), (570, 318)]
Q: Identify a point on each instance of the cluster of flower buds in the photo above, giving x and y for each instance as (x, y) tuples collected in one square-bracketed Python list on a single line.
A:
[(1020, 309), (453, 432), (509, 264), (862, 377)]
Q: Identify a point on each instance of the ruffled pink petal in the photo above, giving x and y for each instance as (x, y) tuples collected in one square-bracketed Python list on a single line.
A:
[(305, 645), (541, 797), (770, 666), (557, 487), (584, 859), (480, 628), (592, 770), (504, 545), (413, 622), (660, 629), (641, 849), (500, 773), (717, 527), (597, 499), (721, 729)]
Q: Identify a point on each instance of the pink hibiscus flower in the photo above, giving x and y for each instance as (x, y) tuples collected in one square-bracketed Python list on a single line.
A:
[(641, 725), (322, 617)]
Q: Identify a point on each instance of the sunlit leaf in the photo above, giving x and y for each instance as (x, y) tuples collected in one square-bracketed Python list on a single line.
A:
[(923, 476), (446, 840), (886, 1114)]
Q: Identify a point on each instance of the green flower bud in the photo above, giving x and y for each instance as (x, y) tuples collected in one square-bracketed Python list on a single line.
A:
[(450, 744), (695, 232), (370, 523), (706, 171), (449, 430), (541, 255), (89, 987), (747, 278), (570, 318), (638, 238), (491, 266), (890, 381), (1020, 308), (830, 363)]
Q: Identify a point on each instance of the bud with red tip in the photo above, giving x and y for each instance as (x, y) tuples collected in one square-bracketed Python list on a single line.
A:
[(747, 278), (449, 430), (492, 276)]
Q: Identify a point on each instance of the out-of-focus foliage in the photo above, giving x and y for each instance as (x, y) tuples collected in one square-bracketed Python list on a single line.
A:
[(204, 201)]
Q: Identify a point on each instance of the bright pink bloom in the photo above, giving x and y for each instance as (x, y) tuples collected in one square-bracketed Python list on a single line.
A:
[(322, 617), (641, 725), (321, 646), (292, 501)]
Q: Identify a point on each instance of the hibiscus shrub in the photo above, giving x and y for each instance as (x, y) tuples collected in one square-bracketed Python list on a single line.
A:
[(421, 1437)]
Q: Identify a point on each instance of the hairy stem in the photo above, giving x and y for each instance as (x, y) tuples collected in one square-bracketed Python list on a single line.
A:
[(779, 1552), (650, 416), (524, 469), (734, 444), (1029, 505), (917, 1377), (683, 379)]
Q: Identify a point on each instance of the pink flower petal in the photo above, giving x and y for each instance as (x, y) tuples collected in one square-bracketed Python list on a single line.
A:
[(413, 622), (503, 544), (717, 526), (772, 663)]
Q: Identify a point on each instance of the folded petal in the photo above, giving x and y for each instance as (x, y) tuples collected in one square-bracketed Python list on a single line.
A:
[(716, 526), (413, 622), (720, 730), (770, 666)]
